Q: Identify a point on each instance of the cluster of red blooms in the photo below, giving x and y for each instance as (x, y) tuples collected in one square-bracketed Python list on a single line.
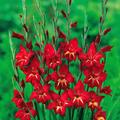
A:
[(55, 69), (91, 65)]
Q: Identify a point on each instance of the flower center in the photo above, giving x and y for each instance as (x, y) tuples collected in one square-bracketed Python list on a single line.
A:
[(62, 82), (93, 104), (70, 54), (100, 118), (77, 99)]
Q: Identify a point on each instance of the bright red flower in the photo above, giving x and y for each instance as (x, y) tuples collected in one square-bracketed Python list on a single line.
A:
[(33, 77), (71, 49), (62, 78), (32, 71), (26, 112), (59, 103), (41, 93), (78, 95), (23, 57), (100, 115), (92, 57), (17, 99), (94, 79), (51, 57), (95, 100)]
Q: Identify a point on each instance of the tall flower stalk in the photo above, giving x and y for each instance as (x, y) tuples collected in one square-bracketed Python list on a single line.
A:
[(48, 71)]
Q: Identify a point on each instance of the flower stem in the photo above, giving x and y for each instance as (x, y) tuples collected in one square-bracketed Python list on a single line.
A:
[(37, 109)]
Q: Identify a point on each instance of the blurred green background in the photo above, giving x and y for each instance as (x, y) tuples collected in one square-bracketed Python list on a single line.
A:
[(10, 21)]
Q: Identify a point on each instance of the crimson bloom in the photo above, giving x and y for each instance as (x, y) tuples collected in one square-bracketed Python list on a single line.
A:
[(92, 57), (41, 93), (94, 102), (78, 95), (71, 49), (59, 103), (32, 71), (26, 112), (62, 78), (95, 79), (100, 115), (17, 99), (23, 57), (51, 57)]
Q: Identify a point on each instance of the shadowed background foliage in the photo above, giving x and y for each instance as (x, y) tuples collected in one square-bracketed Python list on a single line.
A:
[(10, 21)]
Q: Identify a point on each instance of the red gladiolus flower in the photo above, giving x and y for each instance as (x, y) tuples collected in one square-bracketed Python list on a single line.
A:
[(17, 99), (62, 78), (93, 79), (78, 95), (23, 57), (33, 77), (100, 115), (32, 71), (51, 57), (71, 50), (59, 103), (92, 57), (26, 112), (41, 93), (95, 100)]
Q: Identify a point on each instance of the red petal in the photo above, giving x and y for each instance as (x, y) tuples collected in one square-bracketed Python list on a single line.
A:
[(69, 77), (54, 95), (70, 93), (19, 114), (64, 96), (22, 49), (79, 86), (29, 104), (46, 87), (33, 95), (34, 113), (92, 49), (54, 76), (49, 51), (63, 69), (51, 105), (74, 43)]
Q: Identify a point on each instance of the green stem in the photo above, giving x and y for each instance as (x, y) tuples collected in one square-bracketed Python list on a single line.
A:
[(37, 109), (43, 109), (81, 115), (68, 21)]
